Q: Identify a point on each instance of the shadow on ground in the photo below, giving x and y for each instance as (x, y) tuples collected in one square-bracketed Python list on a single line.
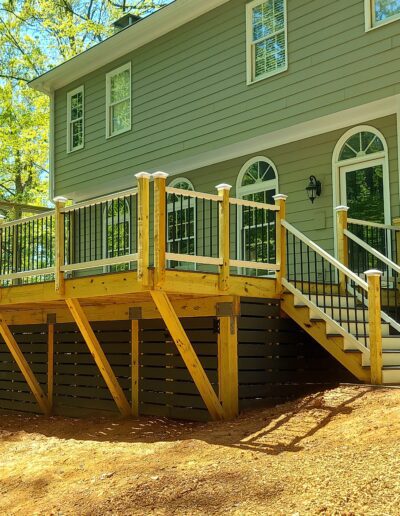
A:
[(270, 431)]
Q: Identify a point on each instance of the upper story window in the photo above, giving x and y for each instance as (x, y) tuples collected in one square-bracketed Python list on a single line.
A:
[(379, 12), (266, 39), (118, 100), (75, 119)]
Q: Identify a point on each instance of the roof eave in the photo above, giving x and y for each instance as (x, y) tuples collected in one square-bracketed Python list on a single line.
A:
[(167, 19)]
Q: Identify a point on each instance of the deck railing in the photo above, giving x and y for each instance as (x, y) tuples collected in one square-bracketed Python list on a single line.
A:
[(191, 230), (27, 249), (373, 245)]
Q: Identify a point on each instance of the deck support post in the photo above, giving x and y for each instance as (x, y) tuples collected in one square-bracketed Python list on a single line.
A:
[(188, 354), (224, 235), (342, 243), (159, 227), (99, 356), (280, 201), (50, 363), (228, 369), (26, 371), (59, 244), (135, 366), (375, 325), (143, 179)]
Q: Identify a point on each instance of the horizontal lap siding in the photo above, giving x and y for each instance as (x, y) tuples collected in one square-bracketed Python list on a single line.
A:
[(189, 92), (295, 162)]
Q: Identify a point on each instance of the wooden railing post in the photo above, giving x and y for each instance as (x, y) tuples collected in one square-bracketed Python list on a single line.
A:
[(2, 251), (224, 235), (143, 179), (280, 201), (159, 227), (375, 325), (59, 244), (342, 242)]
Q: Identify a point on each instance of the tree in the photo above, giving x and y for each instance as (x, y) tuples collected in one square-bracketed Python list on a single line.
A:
[(36, 35)]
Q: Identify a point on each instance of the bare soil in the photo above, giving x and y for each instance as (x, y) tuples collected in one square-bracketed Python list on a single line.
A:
[(334, 452)]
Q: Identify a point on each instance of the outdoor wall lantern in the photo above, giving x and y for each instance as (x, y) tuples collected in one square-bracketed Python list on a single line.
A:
[(314, 188)]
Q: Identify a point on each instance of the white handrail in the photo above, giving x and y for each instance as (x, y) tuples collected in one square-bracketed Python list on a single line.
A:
[(99, 200), (361, 283), (372, 251), (359, 222), (39, 216)]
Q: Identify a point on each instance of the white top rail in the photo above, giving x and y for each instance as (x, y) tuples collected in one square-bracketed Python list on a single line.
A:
[(99, 200), (372, 251), (191, 193), (253, 204), (373, 224), (351, 275), (17, 222)]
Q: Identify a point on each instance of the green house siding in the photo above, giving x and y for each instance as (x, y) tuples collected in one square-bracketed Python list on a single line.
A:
[(295, 162), (189, 92)]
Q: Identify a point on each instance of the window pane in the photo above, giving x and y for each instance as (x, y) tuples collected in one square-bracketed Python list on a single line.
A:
[(77, 133), (120, 117), (120, 86), (385, 9), (76, 106)]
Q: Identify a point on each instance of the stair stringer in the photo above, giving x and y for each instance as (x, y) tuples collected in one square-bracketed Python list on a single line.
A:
[(335, 345)]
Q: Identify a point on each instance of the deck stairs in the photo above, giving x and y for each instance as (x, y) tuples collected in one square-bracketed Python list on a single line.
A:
[(338, 321)]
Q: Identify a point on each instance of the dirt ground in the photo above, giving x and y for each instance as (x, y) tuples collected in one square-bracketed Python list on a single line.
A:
[(334, 452)]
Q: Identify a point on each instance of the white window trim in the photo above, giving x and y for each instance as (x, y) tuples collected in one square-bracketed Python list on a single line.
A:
[(70, 94), (241, 191), (337, 165), (109, 75), (250, 61), (185, 205), (369, 12)]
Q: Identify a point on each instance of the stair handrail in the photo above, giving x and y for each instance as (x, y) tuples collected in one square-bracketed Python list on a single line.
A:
[(354, 277), (360, 222), (390, 263)]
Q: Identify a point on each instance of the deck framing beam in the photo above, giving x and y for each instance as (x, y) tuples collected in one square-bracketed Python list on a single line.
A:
[(23, 365), (99, 356), (188, 354)]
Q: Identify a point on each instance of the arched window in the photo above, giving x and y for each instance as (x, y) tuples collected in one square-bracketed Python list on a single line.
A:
[(361, 175), (117, 238), (257, 181), (181, 216)]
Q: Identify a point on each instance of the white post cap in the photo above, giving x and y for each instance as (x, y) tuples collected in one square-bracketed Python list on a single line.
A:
[(280, 197), (60, 198), (143, 175), (341, 208), (161, 175), (223, 186), (373, 272)]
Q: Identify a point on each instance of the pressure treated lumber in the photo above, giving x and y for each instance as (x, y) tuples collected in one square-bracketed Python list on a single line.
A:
[(188, 354), (99, 356), (375, 325), (26, 371), (228, 370)]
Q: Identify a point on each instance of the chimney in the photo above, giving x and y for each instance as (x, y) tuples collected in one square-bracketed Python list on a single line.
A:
[(125, 21)]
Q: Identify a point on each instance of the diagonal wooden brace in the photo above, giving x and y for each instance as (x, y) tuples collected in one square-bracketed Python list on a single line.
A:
[(98, 354), (188, 354), (26, 371)]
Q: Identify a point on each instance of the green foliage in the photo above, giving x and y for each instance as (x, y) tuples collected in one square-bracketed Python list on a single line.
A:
[(36, 35)]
